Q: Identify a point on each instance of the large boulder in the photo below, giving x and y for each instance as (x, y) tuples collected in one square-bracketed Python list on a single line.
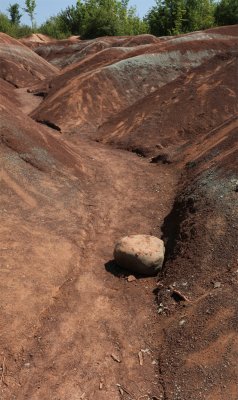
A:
[(141, 254)]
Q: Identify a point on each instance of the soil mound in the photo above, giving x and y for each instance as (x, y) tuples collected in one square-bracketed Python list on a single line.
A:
[(66, 52), (105, 91), (21, 66), (200, 339), (37, 37), (231, 30), (35, 40), (187, 108)]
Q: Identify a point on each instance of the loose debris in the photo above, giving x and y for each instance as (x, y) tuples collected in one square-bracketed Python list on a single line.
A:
[(182, 322), (2, 380), (131, 278), (115, 358), (217, 285), (123, 390), (140, 356), (179, 295)]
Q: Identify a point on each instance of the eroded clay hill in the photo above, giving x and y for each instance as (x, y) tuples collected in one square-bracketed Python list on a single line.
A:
[(19, 65), (101, 139)]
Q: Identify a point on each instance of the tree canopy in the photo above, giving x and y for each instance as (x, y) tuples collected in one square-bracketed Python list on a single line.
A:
[(93, 18), (171, 17), (30, 10), (14, 11), (226, 12)]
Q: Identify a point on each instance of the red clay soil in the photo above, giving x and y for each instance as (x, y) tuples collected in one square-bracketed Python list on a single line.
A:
[(72, 50), (200, 334), (231, 30), (63, 313), (66, 52), (203, 92), (72, 326), (21, 66), (105, 90)]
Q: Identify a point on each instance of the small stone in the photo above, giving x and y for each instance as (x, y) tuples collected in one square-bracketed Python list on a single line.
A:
[(146, 351), (115, 358), (131, 278), (182, 322), (217, 285), (141, 360)]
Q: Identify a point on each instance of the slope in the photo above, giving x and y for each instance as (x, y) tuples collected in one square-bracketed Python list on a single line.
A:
[(21, 66)]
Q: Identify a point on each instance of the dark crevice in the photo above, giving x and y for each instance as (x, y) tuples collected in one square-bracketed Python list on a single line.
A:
[(49, 124), (172, 228), (11, 83), (161, 158), (31, 162), (41, 93), (177, 297), (139, 152)]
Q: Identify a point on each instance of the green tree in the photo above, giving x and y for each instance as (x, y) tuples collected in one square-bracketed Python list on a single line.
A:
[(171, 17), (226, 12), (55, 28), (30, 10), (11, 29), (199, 15), (100, 18), (5, 23), (166, 17), (94, 18), (70, 19), (14, 11)]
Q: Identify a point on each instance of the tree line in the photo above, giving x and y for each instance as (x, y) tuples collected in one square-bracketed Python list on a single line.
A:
[(94, 18)]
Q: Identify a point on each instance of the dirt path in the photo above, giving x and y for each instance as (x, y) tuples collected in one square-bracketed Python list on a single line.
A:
[(86, 342)]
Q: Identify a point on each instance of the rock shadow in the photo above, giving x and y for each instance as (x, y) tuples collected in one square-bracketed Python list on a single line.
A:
[(114, 269)]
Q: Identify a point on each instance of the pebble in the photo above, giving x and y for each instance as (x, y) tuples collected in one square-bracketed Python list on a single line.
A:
[(131, 278), (182, 322)]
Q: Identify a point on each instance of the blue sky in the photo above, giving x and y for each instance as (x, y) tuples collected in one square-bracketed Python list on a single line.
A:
[(46, 8)]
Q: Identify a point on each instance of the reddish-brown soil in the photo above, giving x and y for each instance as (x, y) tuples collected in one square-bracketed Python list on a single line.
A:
[(132, 135), (21, 66), (111, 81)]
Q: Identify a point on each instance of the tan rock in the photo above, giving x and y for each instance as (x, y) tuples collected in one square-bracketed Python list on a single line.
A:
[(141, 254), (131, 278)]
